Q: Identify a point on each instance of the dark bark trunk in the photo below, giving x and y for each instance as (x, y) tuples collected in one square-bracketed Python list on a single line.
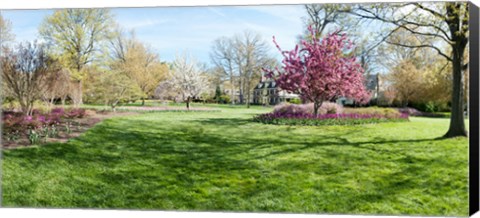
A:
[(248, 95), (457, 123), (188, 103), (232, 94), (52, 101), (143, 101), (316, 106)]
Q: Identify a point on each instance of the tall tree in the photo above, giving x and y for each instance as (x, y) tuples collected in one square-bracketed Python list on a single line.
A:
[(187, 78), (445, 22), (223, 56), (320, 71), (321, 16), (111, 87), (6, 34), (57, 87), (333, 17), (139, 62), (5, 37), (407, 81), (252, 52), (26, 71), (242, 57), (75, 36)]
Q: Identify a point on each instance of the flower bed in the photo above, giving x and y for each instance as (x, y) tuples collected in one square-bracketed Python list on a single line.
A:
[(40, 126), (165, 109), (417, 113), (327, 119)]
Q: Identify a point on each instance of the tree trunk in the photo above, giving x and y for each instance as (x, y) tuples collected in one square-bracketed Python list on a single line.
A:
[(316, 106), (188, 103), (240, 94), (25, 106), (143, 101), (80, 92), (52, 101), (457, 123), (248, 94), (29, 108), (76, 93), (114, 105), (232, 83)]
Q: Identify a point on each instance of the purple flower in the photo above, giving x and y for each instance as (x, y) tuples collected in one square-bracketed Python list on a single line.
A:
[(41, 118)]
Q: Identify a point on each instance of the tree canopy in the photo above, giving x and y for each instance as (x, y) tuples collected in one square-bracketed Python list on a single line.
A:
[(320, 71)]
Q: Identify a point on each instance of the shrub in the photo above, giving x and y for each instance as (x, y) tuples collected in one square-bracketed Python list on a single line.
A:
[(90, 113), (326, 119), (287, 108), (326, 108), (414, 112), (58, 110), (17, 122), (75, 113), (296, 101), (330, 108), (410, 111), (387, 112), (224, 99), (12, 122)]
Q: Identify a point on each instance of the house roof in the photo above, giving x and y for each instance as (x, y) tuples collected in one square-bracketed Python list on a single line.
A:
[(371, 81), (268, 84)]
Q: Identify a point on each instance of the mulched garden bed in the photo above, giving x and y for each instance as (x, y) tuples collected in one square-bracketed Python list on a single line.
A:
[(78, 126), (165, 108)]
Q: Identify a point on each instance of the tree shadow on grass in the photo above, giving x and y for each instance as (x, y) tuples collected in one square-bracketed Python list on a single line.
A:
[(189, 153), (102, 141), (230, 122)]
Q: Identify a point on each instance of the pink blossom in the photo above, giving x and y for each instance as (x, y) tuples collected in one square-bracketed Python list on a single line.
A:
[(321, 71)]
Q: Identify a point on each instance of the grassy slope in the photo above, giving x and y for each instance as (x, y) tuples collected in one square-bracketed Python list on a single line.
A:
[(223, 161)]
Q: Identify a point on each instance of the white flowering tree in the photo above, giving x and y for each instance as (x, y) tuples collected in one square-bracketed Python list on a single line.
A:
[(187, 78)]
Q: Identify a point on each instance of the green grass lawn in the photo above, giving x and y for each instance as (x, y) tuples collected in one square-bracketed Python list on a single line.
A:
[(222, 161)]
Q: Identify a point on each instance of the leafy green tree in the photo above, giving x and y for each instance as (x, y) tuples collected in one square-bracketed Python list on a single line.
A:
[(140, 63), (111, 87), (446, 24), (76, 37), (218, 94)]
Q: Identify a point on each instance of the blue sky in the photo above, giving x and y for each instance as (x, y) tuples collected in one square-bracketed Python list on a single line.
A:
[(172, 30)]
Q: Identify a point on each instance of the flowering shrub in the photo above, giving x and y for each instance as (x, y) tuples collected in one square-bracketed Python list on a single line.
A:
[(75, 113), (17, 122), (287, 108), (58, 110), (42, 125), (330, 108), (387, 112), (326, 119), (414, 112), (326, 108)]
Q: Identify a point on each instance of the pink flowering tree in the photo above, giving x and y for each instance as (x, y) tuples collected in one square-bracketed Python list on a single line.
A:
[(321, 70)]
